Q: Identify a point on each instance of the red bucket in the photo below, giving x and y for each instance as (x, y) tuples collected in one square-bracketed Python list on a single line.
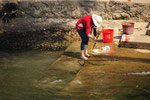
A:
[(107, 35), (128, 28)]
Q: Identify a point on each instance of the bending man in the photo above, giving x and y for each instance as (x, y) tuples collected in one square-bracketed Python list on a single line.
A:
[(84, 26)]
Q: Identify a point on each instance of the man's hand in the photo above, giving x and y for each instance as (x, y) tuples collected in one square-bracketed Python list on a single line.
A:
[(94, 38)]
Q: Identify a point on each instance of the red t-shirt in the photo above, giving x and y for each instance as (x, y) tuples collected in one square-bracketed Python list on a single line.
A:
[(84, 23)]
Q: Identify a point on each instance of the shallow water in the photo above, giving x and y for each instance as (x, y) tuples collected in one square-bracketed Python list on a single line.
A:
[(125, 79), (18, 71), (33, 76)]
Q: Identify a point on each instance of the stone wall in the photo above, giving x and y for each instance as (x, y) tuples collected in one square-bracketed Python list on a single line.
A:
[(78, 8)]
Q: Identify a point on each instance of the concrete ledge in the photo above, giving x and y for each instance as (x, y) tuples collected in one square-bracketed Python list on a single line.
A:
[(135, 45), (137, 40)]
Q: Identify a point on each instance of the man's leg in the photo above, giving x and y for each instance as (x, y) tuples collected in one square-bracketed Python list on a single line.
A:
[(83, 42), (86, 51)]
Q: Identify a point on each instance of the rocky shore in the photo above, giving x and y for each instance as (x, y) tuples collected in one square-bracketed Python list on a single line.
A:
[(50, 25), (43, 34)]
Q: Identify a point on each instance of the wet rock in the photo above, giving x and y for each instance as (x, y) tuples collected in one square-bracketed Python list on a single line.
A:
[(47, 38)]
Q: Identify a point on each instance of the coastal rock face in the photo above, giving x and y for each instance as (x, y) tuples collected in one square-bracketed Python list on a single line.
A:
[(79, 8), (50, 24), (43, 34), (75, 9)]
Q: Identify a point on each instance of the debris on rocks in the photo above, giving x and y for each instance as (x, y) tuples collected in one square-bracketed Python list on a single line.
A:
[(8, 11)]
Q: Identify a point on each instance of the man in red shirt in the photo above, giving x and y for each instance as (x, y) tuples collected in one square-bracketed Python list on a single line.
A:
[(84, 27)]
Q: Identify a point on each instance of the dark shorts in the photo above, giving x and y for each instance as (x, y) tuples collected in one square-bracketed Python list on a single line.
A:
[(84, 38)]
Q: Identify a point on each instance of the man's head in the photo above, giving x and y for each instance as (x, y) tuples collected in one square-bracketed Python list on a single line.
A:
[(96, 20)]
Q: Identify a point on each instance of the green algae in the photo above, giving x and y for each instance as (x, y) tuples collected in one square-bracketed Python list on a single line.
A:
[(94, 64), (19, 72), (106, 80), (113, 80)]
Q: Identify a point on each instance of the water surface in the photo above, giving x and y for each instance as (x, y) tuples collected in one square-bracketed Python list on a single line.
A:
[(18, 71)]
